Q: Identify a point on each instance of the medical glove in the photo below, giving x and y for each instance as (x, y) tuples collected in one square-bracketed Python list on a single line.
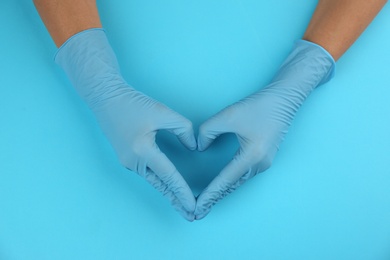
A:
[(261, 120), (129, 119)]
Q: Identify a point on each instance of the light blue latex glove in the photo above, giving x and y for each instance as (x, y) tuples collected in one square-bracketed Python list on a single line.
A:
[(261, 120), (129, 119)]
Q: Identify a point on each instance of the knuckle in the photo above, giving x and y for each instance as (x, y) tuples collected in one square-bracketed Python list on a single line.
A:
[(266, 162), (187, 125), (137, 150), (131, 156), (261, 157), (125, 161)]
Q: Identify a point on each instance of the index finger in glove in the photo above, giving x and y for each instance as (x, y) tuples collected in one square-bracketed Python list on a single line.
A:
[(172, 181), (157, 183), (179, 126), (224, 184), (247, 163)]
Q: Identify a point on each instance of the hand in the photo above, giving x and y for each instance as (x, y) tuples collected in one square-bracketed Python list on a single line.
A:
[(129, 118), (261, 120)]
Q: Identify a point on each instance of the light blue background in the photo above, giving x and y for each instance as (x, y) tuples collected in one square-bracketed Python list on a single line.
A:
[(63, 195)]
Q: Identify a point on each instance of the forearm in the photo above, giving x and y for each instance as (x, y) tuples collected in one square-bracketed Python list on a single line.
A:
[(336, 24), (64, 18)]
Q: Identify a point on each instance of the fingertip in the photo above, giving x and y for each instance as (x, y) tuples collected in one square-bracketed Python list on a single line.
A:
[(207, 134), (186, 210), (189, 206), (188, 140), (201, 216), (192, 144), (203, 207), (201, 146), (201, 213), (187, 215), (185, 197), (190, 217)]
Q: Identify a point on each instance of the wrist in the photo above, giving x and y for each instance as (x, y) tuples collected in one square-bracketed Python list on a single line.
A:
[(91, 65), (321, 58), (307, 66)]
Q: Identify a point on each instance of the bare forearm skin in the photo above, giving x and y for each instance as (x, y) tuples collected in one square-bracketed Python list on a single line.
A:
[(336, 24), (64, 18)]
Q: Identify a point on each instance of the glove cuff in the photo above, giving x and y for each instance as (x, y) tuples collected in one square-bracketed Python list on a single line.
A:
[(307, 66), (322, 56), (74, 37), (91, 65)]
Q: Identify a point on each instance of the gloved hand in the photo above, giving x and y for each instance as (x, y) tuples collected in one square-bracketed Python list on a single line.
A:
[(129, 119), (261, 120)]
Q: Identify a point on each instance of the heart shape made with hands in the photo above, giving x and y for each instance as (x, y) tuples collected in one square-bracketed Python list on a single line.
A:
[(198, 169)]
